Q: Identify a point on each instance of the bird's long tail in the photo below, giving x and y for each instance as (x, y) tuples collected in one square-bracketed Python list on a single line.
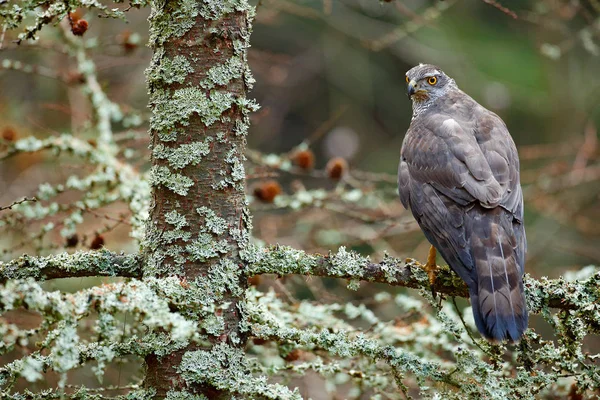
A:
[(498, 299)]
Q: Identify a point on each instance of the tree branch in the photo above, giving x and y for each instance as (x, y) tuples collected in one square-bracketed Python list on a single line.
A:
[(281, 260), (91, 263), (541, 294)]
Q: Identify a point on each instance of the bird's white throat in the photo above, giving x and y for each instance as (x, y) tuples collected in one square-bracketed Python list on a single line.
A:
[(419, 107)]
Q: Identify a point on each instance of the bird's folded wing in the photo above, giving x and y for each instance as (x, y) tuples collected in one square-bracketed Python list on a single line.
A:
[(464, 161)]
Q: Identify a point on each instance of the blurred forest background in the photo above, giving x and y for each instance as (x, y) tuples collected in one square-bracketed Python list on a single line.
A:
[(330, 77)]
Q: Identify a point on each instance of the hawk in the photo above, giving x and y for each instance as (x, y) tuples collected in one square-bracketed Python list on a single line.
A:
[(459, 176)]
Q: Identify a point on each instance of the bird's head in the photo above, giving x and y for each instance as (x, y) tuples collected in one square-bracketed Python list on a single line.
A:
[(426, 82)]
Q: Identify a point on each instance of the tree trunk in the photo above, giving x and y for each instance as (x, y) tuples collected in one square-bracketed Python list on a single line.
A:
[(198, 220)]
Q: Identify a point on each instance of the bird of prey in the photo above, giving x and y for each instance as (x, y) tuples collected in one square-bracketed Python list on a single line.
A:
[(459, 176)]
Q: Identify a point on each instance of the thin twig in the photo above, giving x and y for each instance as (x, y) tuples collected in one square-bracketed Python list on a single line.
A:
[(2, 36), (120, 220), (25, 199), (500, 7), (429, 15)]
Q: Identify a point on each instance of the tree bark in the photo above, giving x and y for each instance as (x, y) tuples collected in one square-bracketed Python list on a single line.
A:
[(199, 220)]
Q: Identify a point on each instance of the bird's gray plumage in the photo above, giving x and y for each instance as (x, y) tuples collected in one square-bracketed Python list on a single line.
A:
[(459, 176)]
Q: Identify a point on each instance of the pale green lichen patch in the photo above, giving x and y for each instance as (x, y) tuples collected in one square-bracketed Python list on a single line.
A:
[(241, 236), (253, 254), (221, 75), (172, 109), (205, 247), (169, 135), (213, 324), (389, 267), (180, 395), (236, 175), (248, 105), (179, 184), (204, 297), (177, 234), (163, 253), (172, 19), (241, 127), (176, 219), (227, 274), (278, 260), (212, 222), (184, 155), (347, 263), (236, 159), (216, 9), (172, 70)]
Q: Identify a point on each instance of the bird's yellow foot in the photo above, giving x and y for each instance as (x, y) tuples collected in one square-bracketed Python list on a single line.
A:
[(431, 268)]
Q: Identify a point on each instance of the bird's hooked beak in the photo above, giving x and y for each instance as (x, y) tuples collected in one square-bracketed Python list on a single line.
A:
[(411, 88)]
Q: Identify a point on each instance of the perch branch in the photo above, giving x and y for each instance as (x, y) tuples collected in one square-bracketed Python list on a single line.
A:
[(541, 294)]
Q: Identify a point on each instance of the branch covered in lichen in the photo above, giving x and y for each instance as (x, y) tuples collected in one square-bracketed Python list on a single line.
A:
[(111, 181), (79, 264), (90, 394), (433, 349), (416, 348), (150, 326), (281, 260)]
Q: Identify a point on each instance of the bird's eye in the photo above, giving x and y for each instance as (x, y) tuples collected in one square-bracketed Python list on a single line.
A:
[(407, 79), (432, 80)]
